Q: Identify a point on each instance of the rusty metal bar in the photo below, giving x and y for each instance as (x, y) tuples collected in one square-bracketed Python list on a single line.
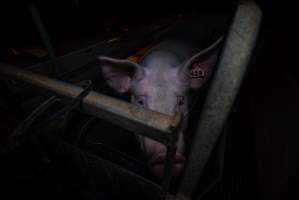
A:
[(154, 125), (228, 77)]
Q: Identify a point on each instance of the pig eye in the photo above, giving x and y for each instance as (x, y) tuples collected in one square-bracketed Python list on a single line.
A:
[(180, 100), (140, 100)]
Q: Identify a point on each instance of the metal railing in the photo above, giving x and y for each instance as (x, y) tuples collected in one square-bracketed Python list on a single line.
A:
[(157, 126), (228, 77), (231, 69)]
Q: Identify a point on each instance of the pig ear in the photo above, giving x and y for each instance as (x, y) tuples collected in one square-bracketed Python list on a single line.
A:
[(199, 67), (119, 73)]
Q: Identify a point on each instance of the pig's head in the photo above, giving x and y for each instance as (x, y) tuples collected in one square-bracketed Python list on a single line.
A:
[(160, 82)]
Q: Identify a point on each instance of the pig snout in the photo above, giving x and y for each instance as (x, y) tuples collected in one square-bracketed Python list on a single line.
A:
[(157, 164), (157, 154)]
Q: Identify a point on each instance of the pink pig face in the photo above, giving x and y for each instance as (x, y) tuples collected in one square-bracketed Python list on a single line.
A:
[(160, 82)]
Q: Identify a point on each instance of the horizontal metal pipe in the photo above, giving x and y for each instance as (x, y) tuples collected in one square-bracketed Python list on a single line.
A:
[(154, 125), (224, 88)]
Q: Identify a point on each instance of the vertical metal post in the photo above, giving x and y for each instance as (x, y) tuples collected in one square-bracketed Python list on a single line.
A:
[(43, 33), (171, 151), (224, 88)]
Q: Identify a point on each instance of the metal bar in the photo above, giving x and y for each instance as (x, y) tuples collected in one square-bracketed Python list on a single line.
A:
[(148, 123), (170, 155), (25, 125), (102, 171), (224, 88), (171, 150), (43, 33)]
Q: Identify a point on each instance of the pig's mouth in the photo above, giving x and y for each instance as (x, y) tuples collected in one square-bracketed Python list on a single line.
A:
[(157, 163)]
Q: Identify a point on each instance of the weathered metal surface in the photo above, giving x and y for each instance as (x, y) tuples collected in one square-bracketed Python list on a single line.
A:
[(148, 123), (224, 88)]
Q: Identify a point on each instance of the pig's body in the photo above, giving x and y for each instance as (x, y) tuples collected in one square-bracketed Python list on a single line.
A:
[(160, 81)]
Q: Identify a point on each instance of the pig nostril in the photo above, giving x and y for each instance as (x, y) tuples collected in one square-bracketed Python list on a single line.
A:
[(161, 159), (140, 100)]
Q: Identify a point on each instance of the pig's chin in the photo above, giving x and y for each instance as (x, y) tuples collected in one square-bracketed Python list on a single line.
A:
[(157, 163)]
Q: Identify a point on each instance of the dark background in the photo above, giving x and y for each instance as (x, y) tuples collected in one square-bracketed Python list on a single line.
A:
[(269, 96)]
